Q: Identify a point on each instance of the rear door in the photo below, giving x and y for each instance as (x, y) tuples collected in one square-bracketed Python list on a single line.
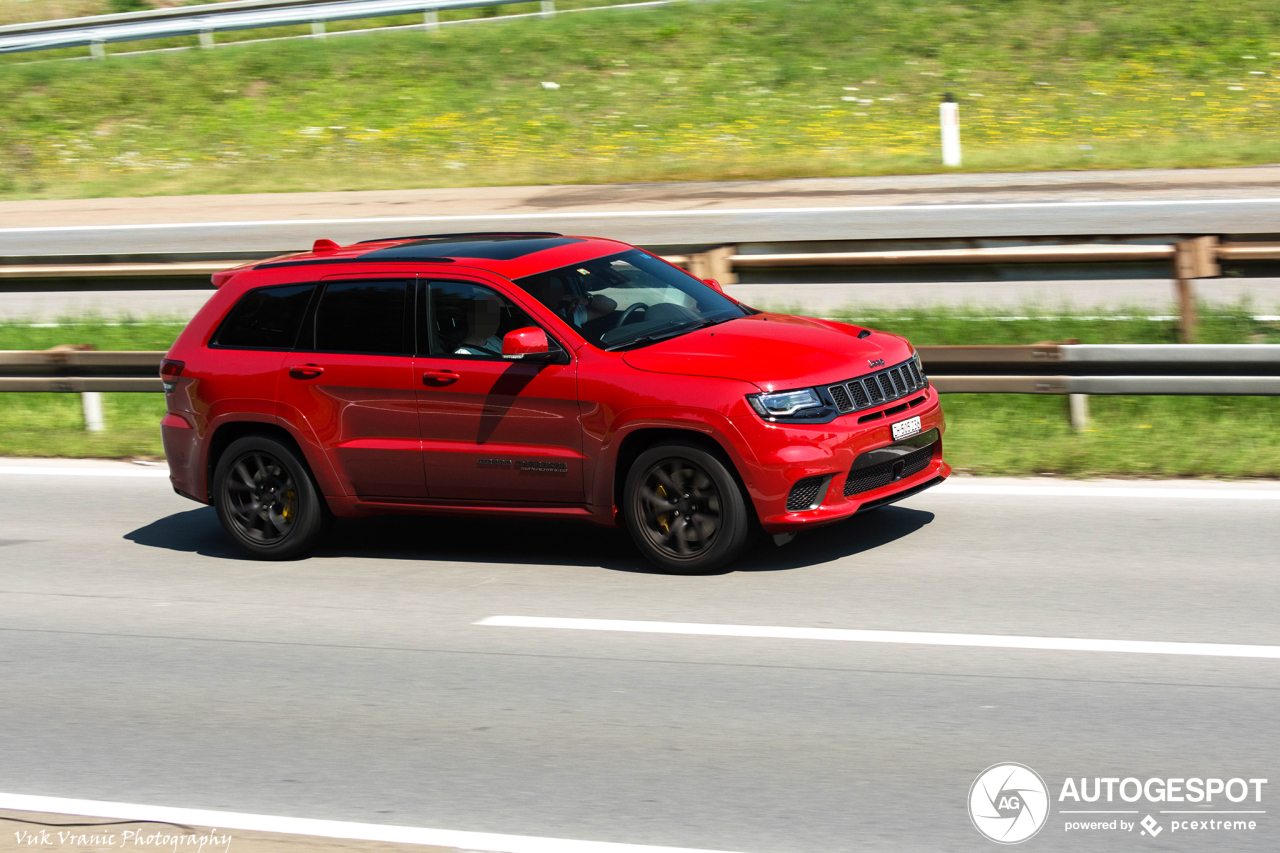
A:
[(254, 339), (351, 382), (493, 430)]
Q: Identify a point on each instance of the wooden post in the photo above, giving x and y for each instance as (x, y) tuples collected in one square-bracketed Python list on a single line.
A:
[(714, 263), (1192, 259), (317, 29), (431, 20)]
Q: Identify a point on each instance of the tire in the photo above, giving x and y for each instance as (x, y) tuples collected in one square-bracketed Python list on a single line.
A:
[(266, 500), (684, 509)]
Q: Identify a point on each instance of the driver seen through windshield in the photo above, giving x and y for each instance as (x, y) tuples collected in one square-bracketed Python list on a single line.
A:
[(629, 299)]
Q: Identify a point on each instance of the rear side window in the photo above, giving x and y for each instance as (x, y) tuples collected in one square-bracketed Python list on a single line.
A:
[(471, 320), (370, 317), (266, 318)]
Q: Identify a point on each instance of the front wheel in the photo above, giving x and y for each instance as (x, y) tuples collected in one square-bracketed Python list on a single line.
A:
[(265, 499), (684, 509)]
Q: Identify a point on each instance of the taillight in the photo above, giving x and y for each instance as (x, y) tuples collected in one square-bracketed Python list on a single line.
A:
[(170, 370)]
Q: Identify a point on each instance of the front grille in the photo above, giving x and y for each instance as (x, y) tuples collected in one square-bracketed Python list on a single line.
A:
[(881, 474), (877, 388), (804, 494), (841, 397)]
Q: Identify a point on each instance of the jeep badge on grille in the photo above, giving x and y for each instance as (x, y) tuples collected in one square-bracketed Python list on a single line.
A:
[(875, 362)]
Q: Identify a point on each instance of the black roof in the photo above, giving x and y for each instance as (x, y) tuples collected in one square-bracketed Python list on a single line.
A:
[(504, 247), (491, 234)]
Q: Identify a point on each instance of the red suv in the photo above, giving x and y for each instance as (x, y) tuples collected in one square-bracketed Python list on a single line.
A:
[(534, 375)]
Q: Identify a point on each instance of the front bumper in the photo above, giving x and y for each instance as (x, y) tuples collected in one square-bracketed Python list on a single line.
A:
[(787, 454)]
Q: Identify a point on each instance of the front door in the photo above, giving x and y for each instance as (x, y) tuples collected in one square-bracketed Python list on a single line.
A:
[(351, 381), (493, 430)]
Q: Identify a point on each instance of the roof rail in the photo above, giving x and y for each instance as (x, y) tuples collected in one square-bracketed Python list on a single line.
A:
[(466, 234)]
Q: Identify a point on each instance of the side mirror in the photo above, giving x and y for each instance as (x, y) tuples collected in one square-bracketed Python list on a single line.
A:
[(527, 344), (713, 284)]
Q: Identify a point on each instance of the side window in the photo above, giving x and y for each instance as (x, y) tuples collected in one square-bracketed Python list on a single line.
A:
[(366, 317), (468, 320), (266, 318)]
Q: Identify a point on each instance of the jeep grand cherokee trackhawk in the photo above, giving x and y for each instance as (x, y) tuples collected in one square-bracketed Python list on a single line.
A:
[(533, 375)]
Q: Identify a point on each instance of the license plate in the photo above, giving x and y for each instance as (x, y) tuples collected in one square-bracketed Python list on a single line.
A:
[(909, 427)]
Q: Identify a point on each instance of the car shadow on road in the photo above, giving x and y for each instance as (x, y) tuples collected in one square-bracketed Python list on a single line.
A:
[(528, 542), (195, 531), (858, 535)]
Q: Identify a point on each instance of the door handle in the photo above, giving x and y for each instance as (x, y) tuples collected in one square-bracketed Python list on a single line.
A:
[(305, 371), (439, 377)]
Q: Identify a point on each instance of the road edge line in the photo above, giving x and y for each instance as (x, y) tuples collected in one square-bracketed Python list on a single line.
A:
[(492, 842)]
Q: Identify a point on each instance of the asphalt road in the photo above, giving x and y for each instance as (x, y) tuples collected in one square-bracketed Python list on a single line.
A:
[(1169, 201), (983, 219), (142, 661)]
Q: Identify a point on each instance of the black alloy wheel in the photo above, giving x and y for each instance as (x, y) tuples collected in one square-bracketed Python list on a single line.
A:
[(266, 500), (684, 509), (262, 498)]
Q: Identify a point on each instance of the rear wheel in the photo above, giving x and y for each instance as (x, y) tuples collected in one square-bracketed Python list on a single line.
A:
[(684, 509), (265, 499)]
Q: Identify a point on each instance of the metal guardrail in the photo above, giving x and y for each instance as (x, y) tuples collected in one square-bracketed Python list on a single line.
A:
[(1105, 369), (205, 20), (198, 269), (1245, 369), (1189, 259)]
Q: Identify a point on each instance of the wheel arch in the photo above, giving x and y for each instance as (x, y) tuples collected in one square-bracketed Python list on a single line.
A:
[(227, 433), (638, 440)]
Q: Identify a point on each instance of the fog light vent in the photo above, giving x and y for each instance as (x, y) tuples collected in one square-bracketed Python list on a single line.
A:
[(807, 493)]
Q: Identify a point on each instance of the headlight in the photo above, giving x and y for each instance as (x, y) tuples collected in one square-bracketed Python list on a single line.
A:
[(784, 404), (920, 367)]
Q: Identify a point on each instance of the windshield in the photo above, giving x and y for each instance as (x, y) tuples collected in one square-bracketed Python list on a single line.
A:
[(629, 299)]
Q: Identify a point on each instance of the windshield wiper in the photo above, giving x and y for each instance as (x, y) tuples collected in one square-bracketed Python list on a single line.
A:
[(653, 338)]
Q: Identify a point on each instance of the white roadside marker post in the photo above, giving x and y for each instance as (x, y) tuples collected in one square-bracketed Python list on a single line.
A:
[(1078, 406), (950, 118), (91, 402)]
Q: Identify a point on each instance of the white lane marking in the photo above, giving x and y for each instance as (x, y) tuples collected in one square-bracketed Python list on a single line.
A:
[(950, 488), (727, 211), (51, 471), (913, 638), (326, 828)]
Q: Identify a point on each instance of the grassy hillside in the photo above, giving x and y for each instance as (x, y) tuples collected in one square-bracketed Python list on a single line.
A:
[(723, 90)]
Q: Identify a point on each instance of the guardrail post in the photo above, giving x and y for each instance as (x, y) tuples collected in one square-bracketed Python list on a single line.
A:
[(91, 403), (548, 8), (1078, 405), (97, 50), (1192, 259), (431, 19), (206, 38), (317, 29)]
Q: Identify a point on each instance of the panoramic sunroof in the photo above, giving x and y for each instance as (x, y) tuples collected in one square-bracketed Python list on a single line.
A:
[(490, 248)]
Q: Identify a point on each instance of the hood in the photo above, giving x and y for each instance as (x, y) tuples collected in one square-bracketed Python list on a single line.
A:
[(774, 351)]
